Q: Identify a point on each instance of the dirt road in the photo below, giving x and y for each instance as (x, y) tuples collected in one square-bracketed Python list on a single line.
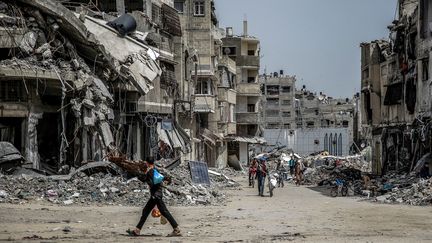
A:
[(300, 214)]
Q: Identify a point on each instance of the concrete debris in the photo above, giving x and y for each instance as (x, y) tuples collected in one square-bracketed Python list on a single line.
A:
[(112, 189)]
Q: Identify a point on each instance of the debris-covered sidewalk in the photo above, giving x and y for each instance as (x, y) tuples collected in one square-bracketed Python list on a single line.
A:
[(109, 188)]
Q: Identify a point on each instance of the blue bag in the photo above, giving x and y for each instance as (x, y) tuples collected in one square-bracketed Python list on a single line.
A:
[(157, 177)]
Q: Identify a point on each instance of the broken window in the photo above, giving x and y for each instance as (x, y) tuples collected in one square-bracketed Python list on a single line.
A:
[(273, 102), (179, 5), (287, 126), (285, 89), (251, 52), (286, 114), (393, 94), (310, 124), (251, 80), (272, 126), (199, 8), (204, 87), (286, 102), (272, 89), (229, 50), (12, 91), (251, 107), (425, 69), (345, 123), (272, 113)]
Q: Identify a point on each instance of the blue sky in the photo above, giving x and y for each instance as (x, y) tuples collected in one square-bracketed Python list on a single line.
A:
[(316, 40)]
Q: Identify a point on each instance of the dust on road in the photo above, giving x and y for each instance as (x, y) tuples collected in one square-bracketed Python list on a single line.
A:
[(299, 214)]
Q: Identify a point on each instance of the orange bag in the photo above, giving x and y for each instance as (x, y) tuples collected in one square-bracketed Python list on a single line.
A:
[(155, 212)]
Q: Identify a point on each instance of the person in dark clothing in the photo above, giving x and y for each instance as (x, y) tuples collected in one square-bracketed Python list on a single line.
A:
[(155, 200), (261, 175)]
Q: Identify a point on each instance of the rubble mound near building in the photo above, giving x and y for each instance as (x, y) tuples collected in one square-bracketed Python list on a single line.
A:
[(418, 194), (109, 189)]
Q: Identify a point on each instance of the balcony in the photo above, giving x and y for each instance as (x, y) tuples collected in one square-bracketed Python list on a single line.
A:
[(247, 117), (227, 95), (204, 103), (229, 63), (248, 61), (249, 89)]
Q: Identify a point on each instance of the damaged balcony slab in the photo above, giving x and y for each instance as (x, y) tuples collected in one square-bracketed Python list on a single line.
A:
[(7, 72), (134, 60)]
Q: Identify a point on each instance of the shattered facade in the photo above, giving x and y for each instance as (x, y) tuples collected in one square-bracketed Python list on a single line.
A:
[(395, 98), (73, 89)]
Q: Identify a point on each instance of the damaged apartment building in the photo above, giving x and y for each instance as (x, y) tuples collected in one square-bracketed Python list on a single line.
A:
[(304, 121), (245, 51), (396, 91), (75, 86)]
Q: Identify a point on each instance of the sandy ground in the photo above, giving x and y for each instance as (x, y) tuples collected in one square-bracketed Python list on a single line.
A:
[(298, 214)]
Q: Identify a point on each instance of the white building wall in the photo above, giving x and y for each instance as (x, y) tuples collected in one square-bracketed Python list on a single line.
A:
[(302, 141)]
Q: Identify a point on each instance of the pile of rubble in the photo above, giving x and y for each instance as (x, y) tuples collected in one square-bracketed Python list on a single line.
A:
[(321, 169), (419, 194), (108, 189)]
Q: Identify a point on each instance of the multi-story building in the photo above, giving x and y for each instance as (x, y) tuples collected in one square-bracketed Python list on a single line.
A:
[(278, 101), (244, 50), (395, 99), (318, 122), (212, 82)]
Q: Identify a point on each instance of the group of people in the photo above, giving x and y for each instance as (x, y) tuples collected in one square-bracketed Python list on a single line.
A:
[(258, 170)]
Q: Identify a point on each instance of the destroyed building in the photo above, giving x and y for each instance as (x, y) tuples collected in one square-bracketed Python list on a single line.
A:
[(395, 85), (311, 122), (244, 50), (76, 85), (74, 89)]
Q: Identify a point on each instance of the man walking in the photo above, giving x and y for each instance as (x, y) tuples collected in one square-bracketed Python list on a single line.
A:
[(261, 175), (150, 177)]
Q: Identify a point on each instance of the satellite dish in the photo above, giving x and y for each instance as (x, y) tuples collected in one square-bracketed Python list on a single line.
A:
[(320, 98), (362, 145), (227, 50)]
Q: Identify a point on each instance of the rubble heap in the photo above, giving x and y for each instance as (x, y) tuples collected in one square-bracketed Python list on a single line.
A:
[(322, 169), (419, 194), (108, 189)]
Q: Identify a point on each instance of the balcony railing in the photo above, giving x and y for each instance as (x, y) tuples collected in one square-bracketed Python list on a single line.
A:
[(248, 61), (247, 117), (204, 103), (227, 95), (249, 89)]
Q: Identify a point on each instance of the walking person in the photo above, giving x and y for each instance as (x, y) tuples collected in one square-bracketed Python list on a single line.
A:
[(261, 175), (252, 172), (291, 164), (154, 180), (299, 168)]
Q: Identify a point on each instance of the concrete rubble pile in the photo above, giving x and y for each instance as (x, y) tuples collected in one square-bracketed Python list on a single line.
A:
[(110, 189), (418, 194), (322, 169)]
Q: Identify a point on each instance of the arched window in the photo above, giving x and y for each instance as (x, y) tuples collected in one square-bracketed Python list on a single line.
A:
[(340, 144), (326, 142), (335, 150), (331, 144)]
